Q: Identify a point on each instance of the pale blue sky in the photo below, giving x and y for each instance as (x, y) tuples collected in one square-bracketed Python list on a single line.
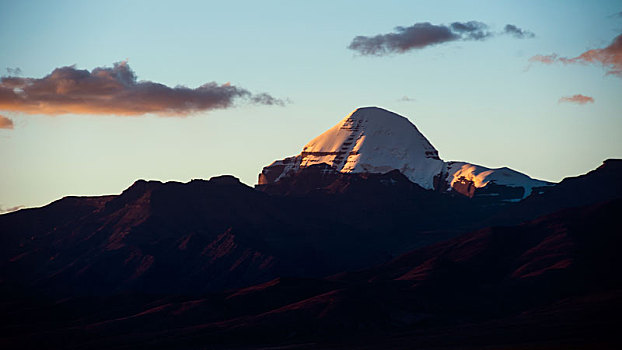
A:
[(475, 101)]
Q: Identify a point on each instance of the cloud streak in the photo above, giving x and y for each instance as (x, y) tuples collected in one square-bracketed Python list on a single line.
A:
[(517, 32), (609, 58), (578, 99), (424, 34), (5, 123), (406, 99), (116, 91), (13, 71)]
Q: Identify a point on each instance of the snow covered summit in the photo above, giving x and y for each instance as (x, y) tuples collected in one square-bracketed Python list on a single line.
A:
[(374, 140)]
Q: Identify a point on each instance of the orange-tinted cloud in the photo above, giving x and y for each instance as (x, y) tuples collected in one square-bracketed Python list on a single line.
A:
[(115, 90), (609, 57), (5, 123), (580, 99)]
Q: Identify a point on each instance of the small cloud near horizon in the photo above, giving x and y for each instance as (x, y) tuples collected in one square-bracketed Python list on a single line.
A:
[(423, 34), (5, 123), (610, 58), (578, 99), (116, 91), (406, 99), (13, 71)]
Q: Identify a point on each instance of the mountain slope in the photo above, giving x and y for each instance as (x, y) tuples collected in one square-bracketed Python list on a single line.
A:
[(549, 283), (374, 140), (505, 183), (368, 140), (154, 236), (210, 235), (598, 185)]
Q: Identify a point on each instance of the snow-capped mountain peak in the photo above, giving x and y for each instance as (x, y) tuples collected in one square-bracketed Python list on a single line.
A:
[(459, 174), (374, 140)]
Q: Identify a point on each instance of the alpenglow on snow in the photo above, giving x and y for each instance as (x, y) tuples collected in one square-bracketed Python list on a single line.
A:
[(374, 140)]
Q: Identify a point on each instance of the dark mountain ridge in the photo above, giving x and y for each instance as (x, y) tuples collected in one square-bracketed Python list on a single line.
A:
[(549, 283), (218, 262), (209, 235)]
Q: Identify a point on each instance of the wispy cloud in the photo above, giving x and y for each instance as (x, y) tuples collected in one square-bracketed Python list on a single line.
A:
[(424, 34), (116, 91), (517, 32), (578, 99), (266, 99), (13, 71), (471, 30), (609, 57), (5, 123), (406, 99)]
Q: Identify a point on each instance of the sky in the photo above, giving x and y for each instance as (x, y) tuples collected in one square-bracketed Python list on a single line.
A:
[(95, 95)]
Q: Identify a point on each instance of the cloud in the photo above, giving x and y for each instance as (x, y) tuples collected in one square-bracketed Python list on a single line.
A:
[(517, 32), (424, 34), (116, 91), (5, 123), (13, 71), (546, 59), (471, 30), (609, 57), (8, 210), (406, 99), (579, 99), (266, 99), (417, 36)]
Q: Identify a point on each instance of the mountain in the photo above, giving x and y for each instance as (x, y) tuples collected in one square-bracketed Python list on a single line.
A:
[(551, 283), (153, 236), (598, 185), (209, 235), (374, 140), (370, 140), (351, 244)]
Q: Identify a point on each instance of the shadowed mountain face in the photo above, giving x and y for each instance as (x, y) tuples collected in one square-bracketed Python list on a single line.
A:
[(167, 261), (154, 236), (601, 184), (209, 235), (552, 281)]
